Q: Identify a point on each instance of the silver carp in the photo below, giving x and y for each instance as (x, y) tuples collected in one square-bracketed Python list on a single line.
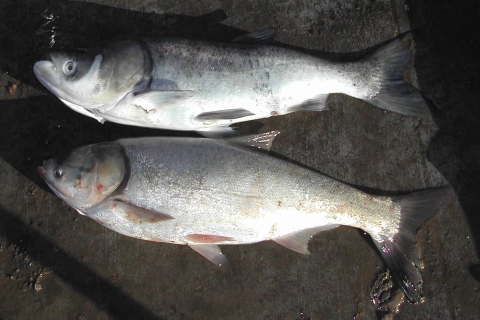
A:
[(204, 86), (207, 192)]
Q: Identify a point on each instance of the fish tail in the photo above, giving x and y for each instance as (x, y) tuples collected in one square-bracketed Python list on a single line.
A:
[(389, 64), (398, 251)]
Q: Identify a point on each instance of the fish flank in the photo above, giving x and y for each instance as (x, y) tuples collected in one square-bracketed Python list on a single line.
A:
[(264, 80), (220, 191)]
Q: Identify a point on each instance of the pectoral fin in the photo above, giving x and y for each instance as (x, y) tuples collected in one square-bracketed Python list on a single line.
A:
[(82, 110), (137, 214), (298, 241), (211, 252), (224, 114), (151, 101), (80, 212)]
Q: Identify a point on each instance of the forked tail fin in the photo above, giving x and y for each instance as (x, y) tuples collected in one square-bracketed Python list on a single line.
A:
[(389, 63), (398, 252)]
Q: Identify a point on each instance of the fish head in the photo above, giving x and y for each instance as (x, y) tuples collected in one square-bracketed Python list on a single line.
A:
[(86, 176), (97, 77)]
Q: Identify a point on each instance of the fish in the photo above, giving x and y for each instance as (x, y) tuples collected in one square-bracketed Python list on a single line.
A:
[(206, 86), (204, 193)]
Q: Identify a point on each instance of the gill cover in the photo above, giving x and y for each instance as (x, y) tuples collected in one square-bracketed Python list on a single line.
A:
[(96, 77), (86, 176)]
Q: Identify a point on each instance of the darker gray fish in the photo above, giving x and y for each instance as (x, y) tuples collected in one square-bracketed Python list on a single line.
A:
[(186, 84)]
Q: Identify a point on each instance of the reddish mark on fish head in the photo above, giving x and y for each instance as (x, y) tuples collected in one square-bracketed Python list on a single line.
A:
[(78, 182), (99, 187)]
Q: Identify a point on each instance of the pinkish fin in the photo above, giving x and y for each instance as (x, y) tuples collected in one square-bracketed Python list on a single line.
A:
[(257, 141), (136, 214), (211, 252), (207, 238), (298, 241)]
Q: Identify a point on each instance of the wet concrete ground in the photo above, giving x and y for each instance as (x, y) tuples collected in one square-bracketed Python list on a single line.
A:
[(55, 264)]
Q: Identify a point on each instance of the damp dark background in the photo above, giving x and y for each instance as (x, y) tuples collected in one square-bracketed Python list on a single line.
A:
[(55, 264)]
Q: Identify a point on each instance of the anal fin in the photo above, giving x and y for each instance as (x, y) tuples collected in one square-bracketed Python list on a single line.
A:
[(298, 241)]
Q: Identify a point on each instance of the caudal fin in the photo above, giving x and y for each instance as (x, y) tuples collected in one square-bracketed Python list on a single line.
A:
[(398, 252), (389, 64)]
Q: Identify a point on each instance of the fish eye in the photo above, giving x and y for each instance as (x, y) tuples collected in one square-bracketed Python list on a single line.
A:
[(58, 172), (70, 68)]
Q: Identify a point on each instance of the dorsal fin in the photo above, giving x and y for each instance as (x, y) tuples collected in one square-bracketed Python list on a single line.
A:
[(264, 36), (261, 141)]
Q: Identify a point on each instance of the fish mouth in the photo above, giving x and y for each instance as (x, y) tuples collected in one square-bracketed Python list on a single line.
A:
[(41, 172), (46, 73), (44, 70)]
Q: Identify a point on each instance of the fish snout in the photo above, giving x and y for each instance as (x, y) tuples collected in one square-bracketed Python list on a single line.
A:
[(41, 171), (42, 67)]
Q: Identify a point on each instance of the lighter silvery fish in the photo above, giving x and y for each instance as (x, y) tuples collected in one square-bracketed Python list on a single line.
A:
[(185, 84), (209, 192)]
